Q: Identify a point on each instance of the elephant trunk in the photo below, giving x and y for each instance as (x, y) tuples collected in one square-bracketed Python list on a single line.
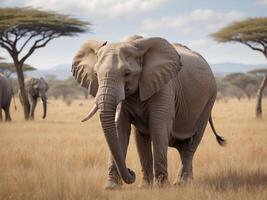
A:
[(44, 100), (107, 100)]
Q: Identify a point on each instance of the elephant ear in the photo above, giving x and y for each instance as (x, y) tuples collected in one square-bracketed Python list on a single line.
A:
[(160, 63), (34, 83), (133, 38), (45, 83), (83, 65)]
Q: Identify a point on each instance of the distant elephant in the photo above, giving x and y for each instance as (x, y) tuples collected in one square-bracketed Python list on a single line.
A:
[(35, 88), (5, 96), (166, 91)]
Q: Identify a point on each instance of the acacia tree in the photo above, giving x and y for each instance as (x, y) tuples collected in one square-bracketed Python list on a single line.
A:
[(251, 32), (9, 68), (24, 30)]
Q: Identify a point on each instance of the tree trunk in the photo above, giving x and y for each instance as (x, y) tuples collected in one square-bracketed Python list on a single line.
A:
[(259, 97), (24, 97)]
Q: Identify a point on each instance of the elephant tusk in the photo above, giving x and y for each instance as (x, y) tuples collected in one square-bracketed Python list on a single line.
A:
[(91, 113), (118, 111), (42, 101)]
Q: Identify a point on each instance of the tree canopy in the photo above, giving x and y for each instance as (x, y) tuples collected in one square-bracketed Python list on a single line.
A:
[(260, 72), (27, 20), (247, 83), (9, 68), (251, 32), (37, 26)]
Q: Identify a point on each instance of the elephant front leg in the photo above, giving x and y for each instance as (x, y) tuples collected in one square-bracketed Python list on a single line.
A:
[(161, 117), (144, 149), (33, 106), (160, 148), (160, 140)]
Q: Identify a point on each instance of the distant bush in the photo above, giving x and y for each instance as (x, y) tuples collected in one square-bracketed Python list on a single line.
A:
[(238, 85), (67, 89)]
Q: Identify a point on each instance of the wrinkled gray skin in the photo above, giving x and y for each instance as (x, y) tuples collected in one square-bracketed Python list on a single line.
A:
[(35, 89), (166, 92), (5, 97)]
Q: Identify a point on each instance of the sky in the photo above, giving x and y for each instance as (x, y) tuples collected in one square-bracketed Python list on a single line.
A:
[(189, 22)]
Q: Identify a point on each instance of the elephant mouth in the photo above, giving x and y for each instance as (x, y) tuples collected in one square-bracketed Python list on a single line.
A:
[(127, 91)]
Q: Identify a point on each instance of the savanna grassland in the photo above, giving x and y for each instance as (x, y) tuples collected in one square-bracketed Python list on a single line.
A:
[(62, 158)]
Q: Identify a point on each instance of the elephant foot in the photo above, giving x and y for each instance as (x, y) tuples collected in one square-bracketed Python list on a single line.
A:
[(8, 120), (146, 184), (184, 179), (113, 184), (162, 181)]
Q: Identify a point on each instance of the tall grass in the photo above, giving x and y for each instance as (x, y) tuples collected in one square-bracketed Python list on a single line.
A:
[(62, 158)]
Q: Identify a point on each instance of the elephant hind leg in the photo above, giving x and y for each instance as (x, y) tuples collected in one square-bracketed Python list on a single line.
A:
[(188, 147), (185, 173), (7, 113), (1, 117)]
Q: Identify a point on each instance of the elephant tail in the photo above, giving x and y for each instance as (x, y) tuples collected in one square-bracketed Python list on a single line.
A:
[(219, 139)]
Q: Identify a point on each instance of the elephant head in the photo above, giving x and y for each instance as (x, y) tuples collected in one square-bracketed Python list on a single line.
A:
[(38, 88), (111, 72)]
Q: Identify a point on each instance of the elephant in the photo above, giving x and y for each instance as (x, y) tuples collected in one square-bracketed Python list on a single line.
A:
[(35, 88), (164, 92), (6, 93)]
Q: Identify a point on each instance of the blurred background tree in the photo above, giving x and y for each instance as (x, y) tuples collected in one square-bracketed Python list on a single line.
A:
[(247, 83), (24, 30), (67, 89), (251, 32)]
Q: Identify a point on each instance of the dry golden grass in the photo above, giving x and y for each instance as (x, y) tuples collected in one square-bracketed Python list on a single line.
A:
[(62, 158)]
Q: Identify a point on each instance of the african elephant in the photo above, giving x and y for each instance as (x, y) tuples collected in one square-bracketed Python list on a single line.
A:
[(5, 96), (35, 88), (166, 91)]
